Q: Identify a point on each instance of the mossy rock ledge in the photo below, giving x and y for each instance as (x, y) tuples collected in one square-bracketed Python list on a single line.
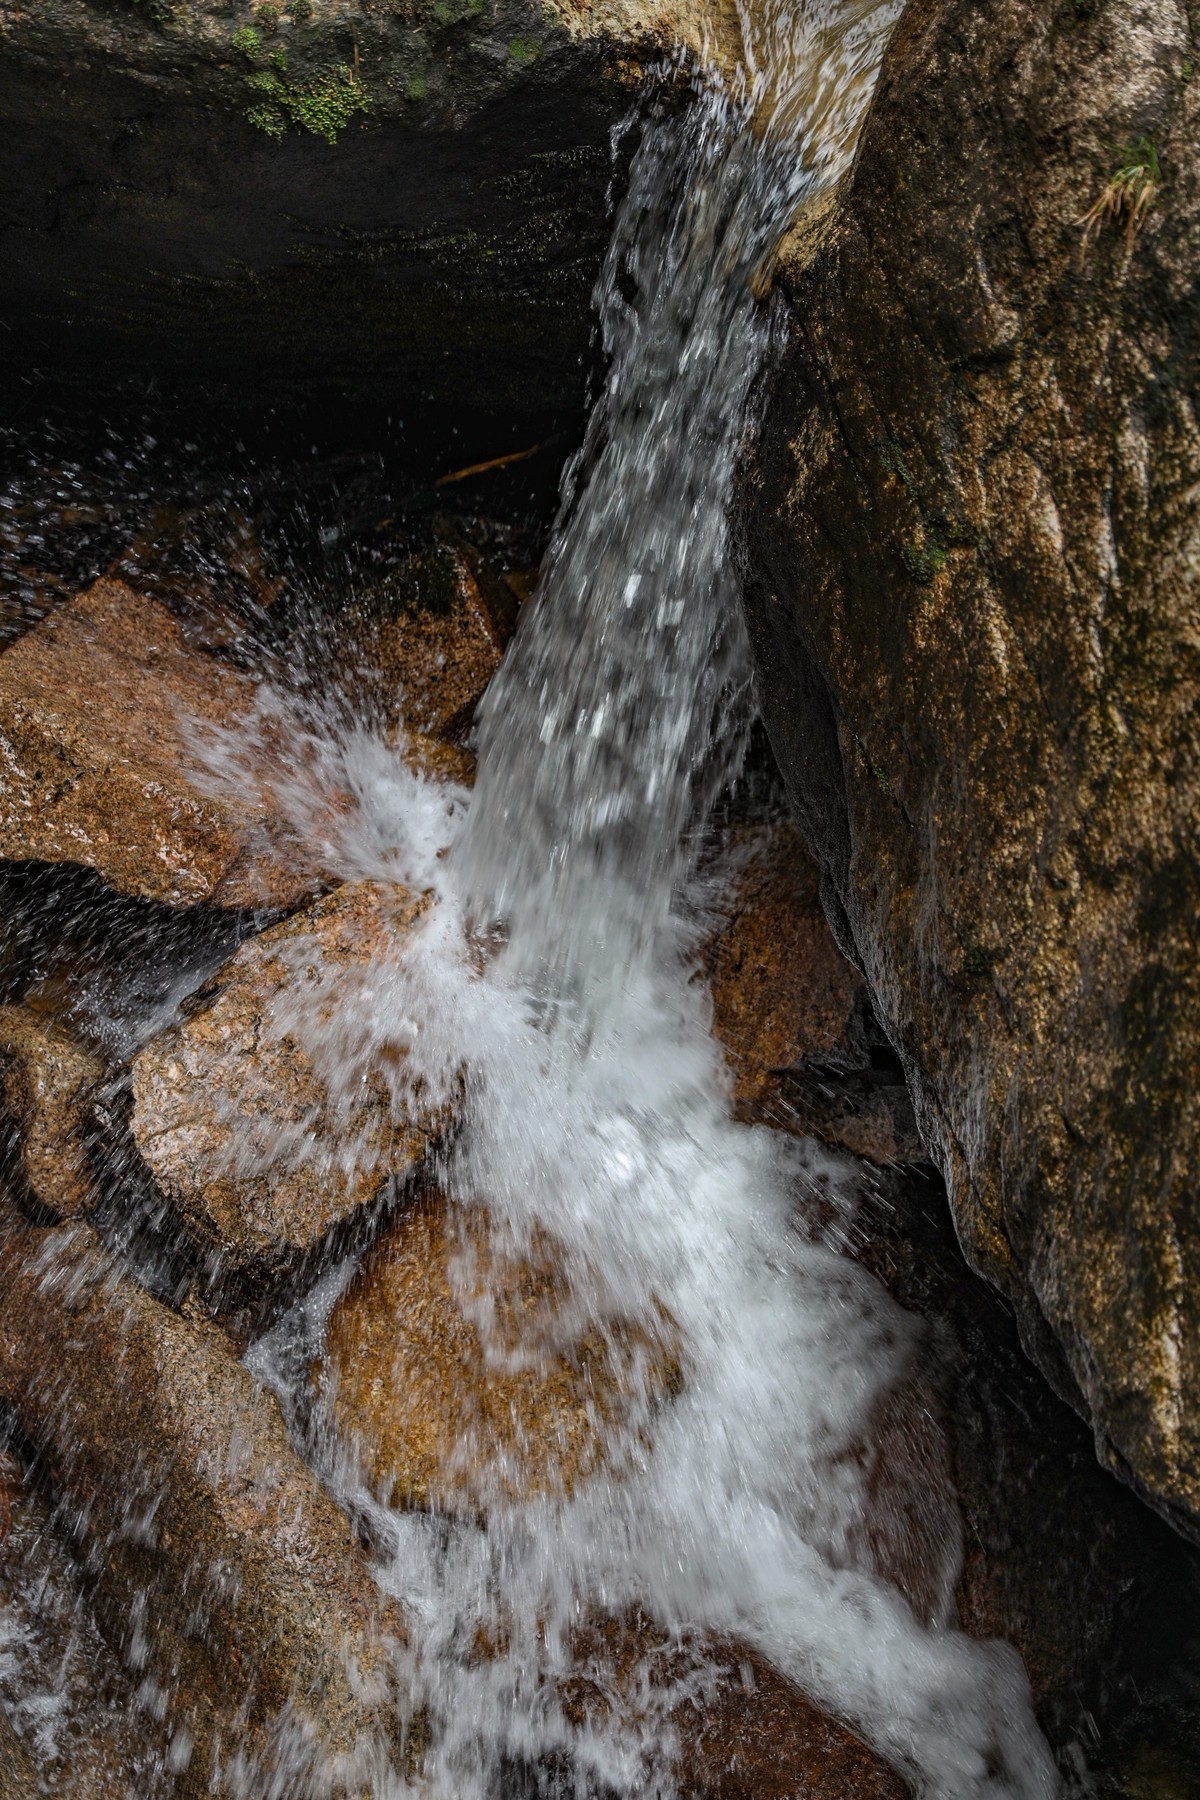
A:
[(313, 202), (974, 536)]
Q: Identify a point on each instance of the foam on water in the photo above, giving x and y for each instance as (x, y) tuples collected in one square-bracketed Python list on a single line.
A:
[(596, 1111)]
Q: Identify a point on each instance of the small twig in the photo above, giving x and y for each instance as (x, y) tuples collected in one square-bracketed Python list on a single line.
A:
[(481, 468)]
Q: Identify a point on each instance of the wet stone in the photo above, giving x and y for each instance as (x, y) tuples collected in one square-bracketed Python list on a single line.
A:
[(743, 1731), (275, 1110), (18, 1771), (792, 1013), (431, 638), (455, 1374), (47, 1081), (99, 766), (71, 1726), (221, 1571)]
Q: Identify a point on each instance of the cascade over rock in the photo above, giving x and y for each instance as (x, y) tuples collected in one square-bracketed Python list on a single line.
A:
[(220, 1563), (974, 610), (456, 1369)]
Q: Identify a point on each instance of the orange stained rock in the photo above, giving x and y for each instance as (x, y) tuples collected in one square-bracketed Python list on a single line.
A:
[(459, 1373), (98, 766), (259, 1145)]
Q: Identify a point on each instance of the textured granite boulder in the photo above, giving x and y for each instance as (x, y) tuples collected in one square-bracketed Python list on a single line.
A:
[(793, 1015), (974, 532), (750, 1735), (430, 642), (277, 1108), (445, 1369), (99, 766)]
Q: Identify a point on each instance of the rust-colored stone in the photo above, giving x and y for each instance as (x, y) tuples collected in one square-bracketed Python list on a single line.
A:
[(220, 1564), (260, 1146), (781, 988), (752, 1736), (431, 637), (447, 1412), (97, 766), (790, 1010)]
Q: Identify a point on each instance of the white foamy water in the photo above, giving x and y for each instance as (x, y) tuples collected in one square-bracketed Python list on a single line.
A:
[(596, 1110)]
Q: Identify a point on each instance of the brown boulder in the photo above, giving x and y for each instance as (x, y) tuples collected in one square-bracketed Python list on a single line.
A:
[(1057, 1558), (18, 1773), (752, 1736), (792, 1013), (221, 1567), (260, 1146), (432, 642), (72, 1702), (46, 1079), (98, 768), (974, 533), (445, 1413), (760, 1738), (10, 1480)]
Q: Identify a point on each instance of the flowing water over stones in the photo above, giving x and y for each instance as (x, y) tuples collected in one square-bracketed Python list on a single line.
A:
[(628, 1438)]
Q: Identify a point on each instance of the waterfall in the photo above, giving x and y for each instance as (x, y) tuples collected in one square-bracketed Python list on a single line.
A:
[(557, 971)]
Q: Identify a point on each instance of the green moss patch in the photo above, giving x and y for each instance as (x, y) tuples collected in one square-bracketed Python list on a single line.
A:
[(324, 104)]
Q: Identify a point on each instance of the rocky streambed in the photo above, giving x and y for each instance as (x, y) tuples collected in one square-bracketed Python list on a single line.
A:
[(259, 1333), (181, 1592)]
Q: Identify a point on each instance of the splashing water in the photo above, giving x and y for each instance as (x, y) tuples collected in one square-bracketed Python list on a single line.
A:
[(596, 1113)]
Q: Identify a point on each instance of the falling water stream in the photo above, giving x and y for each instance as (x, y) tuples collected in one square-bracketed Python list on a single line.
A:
[(551, 992), (597, 1115)]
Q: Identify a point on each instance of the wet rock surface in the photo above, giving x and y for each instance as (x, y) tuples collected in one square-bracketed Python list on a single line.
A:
[(749, 1734), (72, 1720), (760, 1738), (453, 1374), (48, 1082), (1057, 1558), (219, 1565), (121, 1398), (974, 536), (431, 642), (794, 1015), (96, 707), (259, 1148)]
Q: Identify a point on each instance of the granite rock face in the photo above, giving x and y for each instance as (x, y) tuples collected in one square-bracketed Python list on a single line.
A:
[(98, 766), (754, 1736), (264, 1119), (450, 1411), (793, 1015), (974, 533), (432, 642)]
